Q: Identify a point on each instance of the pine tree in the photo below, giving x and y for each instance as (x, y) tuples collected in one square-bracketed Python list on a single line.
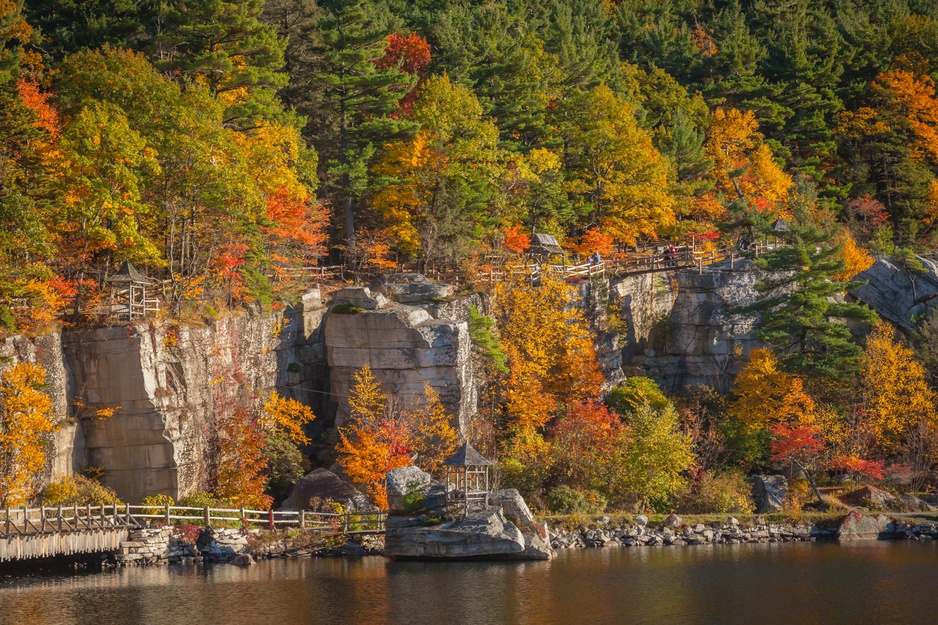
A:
[(799, 318), (224, 45), (356, 99)]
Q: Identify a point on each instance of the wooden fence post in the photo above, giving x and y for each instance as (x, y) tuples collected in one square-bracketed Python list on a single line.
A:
[(302, 519), (166, 518), (42, 519), (60, 517), (244, 519), (207, 517), (8, 522), (270, 519)]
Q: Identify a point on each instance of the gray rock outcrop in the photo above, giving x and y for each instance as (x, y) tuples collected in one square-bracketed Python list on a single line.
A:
[(857, 526), (704, 339), (405, 348), (411, 288), (402, 481), (769, 492), (514, 507), (481, 534), (898, 294), (325, 485), (166, 384)]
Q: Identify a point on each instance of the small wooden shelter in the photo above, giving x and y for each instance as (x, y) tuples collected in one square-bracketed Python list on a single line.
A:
[(129, 293), (467, 478), (543, 246)]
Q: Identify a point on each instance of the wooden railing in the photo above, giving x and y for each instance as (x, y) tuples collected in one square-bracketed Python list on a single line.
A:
[(53, 520)]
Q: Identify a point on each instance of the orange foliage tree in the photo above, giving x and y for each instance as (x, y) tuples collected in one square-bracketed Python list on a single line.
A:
[(26, 416), (551, 358), (764, 394)]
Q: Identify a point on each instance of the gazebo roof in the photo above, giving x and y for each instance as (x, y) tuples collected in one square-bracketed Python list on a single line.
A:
[(466, 456), (129, 273), (547, 242), (780, 225)]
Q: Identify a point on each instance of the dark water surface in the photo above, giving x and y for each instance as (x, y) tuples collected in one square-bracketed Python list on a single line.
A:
[(801, 584)]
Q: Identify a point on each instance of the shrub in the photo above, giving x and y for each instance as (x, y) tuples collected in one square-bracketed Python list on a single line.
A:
[(722, 492), (202, 499), (76, 490), (413, 500), (158, 503), (347, 309), (566, 500)]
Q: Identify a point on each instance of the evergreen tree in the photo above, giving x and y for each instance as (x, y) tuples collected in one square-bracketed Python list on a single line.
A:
[(223, 44), (356, 101), (68, 26), (799, 317)]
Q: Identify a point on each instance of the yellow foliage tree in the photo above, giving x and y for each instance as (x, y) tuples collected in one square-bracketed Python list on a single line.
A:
[(856, 259), (763, 394), (287, 417), (433, 439), (26, 415), (374, 440), (618, 172), (743, 165), (550, 351), (893, 390)]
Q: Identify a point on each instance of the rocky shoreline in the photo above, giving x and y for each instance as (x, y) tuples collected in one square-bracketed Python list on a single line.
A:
[(854, 526)]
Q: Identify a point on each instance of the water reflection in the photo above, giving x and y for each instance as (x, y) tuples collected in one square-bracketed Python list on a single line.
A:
[(728, 584)]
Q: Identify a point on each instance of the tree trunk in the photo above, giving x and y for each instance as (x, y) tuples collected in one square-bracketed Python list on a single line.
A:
[(814, 487)]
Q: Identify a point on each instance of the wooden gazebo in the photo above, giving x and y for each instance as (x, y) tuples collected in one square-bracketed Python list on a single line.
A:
[(467, 478), (543, 246), (129, 297)]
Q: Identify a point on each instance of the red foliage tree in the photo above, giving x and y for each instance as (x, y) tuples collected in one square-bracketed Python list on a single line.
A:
[(411, 55)]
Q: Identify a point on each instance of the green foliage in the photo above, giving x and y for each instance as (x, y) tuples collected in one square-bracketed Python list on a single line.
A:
[(78, 491), (413, 500), (285, 465), (346, 309), (566, 500), (658, 456), (481, 332), (631, 395), (799, 315), (202, 499), (727, 491)]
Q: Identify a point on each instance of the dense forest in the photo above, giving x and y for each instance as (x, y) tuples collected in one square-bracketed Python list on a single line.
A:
[(216, 143), (219, 145)]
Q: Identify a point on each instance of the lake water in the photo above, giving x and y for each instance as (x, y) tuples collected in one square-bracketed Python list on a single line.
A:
[(803, 584)]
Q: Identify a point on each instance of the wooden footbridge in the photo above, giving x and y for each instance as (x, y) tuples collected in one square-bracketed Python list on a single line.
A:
[(43, 532)]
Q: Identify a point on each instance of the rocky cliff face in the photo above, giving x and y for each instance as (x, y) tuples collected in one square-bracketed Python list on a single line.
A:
[(405, 348), (898, 294), (165, 384), (700, 340), (66, 450)]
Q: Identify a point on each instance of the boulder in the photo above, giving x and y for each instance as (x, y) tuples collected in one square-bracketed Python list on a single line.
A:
[(673, 521), (402, 481), (411, 288), (769, 492), (481, 534), (910, 503), (513, 506), (360, 296), (641, 520), (244, 559), (871, 497), (857, 526), (326, 485)]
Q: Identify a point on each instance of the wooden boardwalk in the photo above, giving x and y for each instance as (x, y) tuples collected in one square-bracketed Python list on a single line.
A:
[(46, 532)]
